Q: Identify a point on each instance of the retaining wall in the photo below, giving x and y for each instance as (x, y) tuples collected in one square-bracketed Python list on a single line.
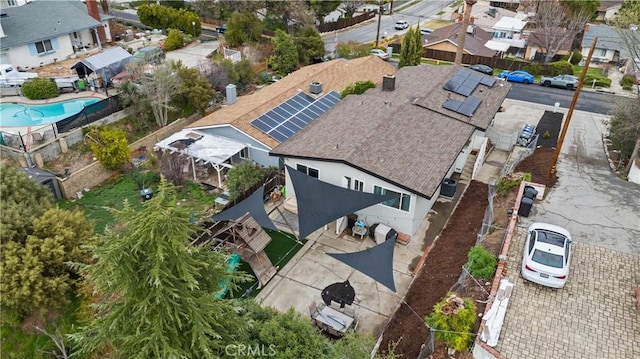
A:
[(95, 174)]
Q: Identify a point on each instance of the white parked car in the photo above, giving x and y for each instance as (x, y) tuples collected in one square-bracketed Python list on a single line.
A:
[(380, 53), (401, 25), (547, 255)]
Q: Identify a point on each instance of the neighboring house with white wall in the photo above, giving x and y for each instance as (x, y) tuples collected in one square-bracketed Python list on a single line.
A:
[(43, 32), (234, 119), (403, 138), (509, 30), (11, 3), (611, 45), (608, 10)]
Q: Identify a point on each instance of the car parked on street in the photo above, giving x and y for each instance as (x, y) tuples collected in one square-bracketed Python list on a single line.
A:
[(568, 82), (547, 255), (426, 31), (380, 53), (401, 25), (221, 29), (517, 76), (482, 68)]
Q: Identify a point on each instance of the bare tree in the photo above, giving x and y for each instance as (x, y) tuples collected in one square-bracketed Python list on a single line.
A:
[(350, 7), (628, 112), (293, 14), (556, 24), (159, 90)]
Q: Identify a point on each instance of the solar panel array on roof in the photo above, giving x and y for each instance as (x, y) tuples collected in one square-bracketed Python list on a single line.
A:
[(296, 113), (464, 82)]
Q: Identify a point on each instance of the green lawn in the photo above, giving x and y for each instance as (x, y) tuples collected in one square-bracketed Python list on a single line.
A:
[(97, 203)]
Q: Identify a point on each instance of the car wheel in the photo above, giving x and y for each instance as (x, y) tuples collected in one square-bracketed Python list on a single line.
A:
[(547, 83), (569, 87), (525, 81)]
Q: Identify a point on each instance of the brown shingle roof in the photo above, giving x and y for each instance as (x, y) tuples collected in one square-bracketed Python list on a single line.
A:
[(473, 43), (334, 75), (385, 134), (536, 39)]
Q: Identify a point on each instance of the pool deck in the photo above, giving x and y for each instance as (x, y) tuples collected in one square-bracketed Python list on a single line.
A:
[(62, 97)]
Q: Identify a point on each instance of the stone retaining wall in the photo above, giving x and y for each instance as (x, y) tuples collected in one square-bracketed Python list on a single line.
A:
[(95, 174)]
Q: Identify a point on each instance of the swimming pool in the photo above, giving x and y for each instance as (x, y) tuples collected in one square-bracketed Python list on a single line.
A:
[(23, 115)]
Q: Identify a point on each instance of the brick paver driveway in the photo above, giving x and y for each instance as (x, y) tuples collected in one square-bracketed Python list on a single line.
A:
[(593, 316)]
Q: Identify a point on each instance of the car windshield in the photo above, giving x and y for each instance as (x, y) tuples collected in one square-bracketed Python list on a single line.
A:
[(552, 238), (548, 259)]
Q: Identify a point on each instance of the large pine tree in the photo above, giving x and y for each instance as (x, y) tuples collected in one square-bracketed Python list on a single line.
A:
[(156, 292)]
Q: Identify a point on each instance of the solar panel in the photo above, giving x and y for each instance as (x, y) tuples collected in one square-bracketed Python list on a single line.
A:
[(464, 82), (467, 108), (286, 119), (488, 81)]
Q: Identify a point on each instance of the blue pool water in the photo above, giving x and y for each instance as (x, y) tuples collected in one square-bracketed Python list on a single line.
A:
[(22, 115)]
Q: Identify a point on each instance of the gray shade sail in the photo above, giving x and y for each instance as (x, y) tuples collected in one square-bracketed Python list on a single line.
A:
[(375, 262), (253, 205), (320, 203)]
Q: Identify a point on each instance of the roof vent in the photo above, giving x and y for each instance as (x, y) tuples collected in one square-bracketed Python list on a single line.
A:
[(231, 94), (315, 88), (388, 83)]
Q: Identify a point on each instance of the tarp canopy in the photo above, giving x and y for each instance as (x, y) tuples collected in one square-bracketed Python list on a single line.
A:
[(375, 262), (201, 146), (107, 64), (253, 205), (320, 203)]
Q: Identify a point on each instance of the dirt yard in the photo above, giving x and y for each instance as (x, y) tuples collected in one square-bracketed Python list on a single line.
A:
[(443, 265)]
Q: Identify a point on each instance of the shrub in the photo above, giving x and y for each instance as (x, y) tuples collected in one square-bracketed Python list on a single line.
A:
[(110, 146), (174, 40), (506, 183), (627, 81), (559, 68), (601, 81), (534, 68), (39, 88), (547, 134), (357, 88), (576, 58), (482, 264), (454, 317)]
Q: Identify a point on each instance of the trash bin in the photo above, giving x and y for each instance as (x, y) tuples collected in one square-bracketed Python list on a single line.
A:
[(530, 192), (82, 85), (525, 206)]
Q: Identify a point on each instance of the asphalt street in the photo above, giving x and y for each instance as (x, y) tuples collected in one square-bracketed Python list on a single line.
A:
[(589, 101)]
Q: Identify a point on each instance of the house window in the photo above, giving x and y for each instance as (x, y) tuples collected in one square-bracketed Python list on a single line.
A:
[(358, 185), (244, 153), (602, 53), (44, 46), (400, 201), (308, 171), (12, 2)]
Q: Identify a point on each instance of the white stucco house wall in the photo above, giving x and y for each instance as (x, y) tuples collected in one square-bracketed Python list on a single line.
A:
[(509, 30), (29, 38), (400, 139)]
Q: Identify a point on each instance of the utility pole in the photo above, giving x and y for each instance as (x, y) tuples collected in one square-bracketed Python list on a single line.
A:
[(574, 101), (380, 7), (468, 4)]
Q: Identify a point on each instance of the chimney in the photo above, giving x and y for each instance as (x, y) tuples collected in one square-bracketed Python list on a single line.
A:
[(92, 9), (231, 94), (388, 83)]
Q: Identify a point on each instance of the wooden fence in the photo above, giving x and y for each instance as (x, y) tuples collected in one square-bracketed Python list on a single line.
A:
[(343, 23), (494, 62)]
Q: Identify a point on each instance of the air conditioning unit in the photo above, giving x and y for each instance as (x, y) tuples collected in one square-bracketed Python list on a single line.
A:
[(315, 88), (384, 233)]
